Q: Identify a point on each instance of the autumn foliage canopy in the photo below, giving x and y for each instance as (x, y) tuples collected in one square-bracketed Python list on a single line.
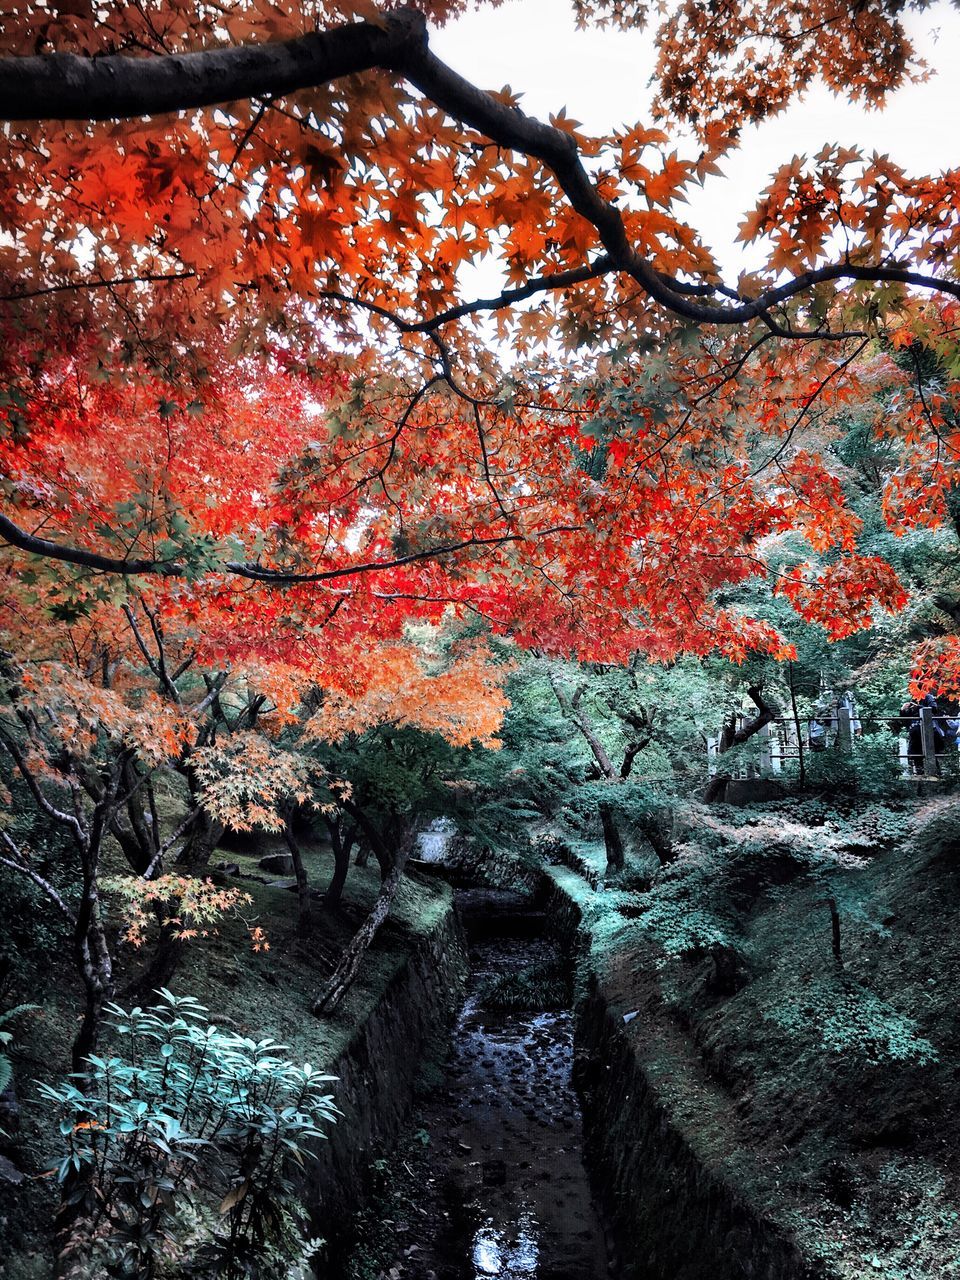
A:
[(245, 385)]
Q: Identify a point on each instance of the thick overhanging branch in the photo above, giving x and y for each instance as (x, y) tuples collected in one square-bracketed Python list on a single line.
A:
[(511, 128), (63, 86), (18, 537)]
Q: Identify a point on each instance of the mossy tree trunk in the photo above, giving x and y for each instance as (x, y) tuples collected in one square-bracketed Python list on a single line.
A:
[(612, 839), (347, 969), (391, 848), (304, 915)]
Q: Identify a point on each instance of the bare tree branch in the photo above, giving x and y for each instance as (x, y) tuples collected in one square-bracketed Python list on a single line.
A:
[(16, 864)]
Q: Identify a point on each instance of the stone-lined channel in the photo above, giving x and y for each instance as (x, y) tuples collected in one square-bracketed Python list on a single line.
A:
[(507, 1196)]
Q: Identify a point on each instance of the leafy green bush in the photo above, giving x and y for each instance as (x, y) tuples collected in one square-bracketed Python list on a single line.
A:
[(180, 1153), (871, 769), (846, 1018), (6, 1040)]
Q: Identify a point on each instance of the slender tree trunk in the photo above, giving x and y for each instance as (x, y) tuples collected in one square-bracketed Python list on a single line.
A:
[(612, 839), (349, 965), (835, 945), (341, 845), (304, 921)]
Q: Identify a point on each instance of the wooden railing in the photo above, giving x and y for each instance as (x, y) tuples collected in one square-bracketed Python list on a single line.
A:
[(779, 743)]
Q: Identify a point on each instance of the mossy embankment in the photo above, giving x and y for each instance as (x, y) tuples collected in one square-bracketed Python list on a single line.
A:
[(409, 988), (756, 1108)]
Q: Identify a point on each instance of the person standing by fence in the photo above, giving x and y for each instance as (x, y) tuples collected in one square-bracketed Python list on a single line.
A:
[(822, 729), (834, 718)]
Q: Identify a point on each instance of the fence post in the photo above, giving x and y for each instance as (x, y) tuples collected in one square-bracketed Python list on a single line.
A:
[(929, 742), (712, 745), (904, 744), (844, 729)]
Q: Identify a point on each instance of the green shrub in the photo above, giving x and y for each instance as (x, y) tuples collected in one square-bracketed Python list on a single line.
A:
[(180, 1154), (6, 1040), (846, 1018), (871, 769)]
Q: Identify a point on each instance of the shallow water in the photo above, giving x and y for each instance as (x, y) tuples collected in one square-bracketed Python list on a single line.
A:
[(511, 1198)]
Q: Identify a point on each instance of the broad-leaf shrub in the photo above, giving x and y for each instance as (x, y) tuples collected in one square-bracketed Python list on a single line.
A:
[(181, 1149)]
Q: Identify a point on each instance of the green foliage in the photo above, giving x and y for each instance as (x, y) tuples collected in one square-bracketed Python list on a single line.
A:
[(848, 1019), (6, 1040), (493, 809), (871, 769), (395, 775), (679, 914), (180, 1154), (650, 721), (538, 986)]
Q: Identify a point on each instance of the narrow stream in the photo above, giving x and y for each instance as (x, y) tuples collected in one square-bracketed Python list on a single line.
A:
[(507, 1191)]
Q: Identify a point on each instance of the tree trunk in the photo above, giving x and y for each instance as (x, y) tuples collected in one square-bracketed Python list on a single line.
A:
[(304, 920), (200, 843), (89, 939), (345, 972), (96, 972), (163, 963), (798, 728), (612, 839), (731, 737), (363, 853), (659, 835), (341, 845)]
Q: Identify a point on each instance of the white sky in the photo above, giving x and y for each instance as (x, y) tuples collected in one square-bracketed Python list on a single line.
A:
[(601, 77)]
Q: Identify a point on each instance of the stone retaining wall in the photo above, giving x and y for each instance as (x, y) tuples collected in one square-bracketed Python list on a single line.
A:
[(674, 1192)]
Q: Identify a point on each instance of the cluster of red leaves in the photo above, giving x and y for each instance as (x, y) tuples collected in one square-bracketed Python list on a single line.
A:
[(723, 66), (936, 668), (595, 520)]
